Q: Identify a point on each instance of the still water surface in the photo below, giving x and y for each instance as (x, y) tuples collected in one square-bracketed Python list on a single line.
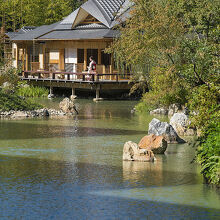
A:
[(73, 169)]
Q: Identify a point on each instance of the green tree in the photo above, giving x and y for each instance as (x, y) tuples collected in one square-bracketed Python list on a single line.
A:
[(176, 42)]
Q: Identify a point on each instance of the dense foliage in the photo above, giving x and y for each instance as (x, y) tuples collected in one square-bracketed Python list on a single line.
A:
[(174, 46), (12, 92), (9, 101), (17, 13)]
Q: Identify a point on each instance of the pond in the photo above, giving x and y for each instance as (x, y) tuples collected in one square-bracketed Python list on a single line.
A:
[(72, 168)]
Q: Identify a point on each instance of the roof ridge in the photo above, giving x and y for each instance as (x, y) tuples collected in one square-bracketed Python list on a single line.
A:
[(110, 12)]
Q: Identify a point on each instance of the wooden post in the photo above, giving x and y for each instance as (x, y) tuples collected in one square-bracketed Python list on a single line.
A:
[(51, 90), (17, 56), (111, 66), (97, 93), (26, 54), (73, 91), (23, 64), (99, 56), (61, 60), (85, 59)]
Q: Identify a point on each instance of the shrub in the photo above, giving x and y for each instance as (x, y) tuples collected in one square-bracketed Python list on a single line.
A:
[(31, 91), (10, 101), (208, 154)]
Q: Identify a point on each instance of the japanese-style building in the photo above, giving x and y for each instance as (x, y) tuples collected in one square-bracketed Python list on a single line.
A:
[(64, 48)]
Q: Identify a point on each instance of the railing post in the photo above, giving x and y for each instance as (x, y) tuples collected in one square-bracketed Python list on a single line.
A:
[(53, 75), (68, 76), (116, 77), (93, 77)]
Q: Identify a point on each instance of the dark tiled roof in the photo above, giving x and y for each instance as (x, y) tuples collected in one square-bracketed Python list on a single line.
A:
[(111, 7), (105, 11), (37, 32), (23, 30), (80, 34)]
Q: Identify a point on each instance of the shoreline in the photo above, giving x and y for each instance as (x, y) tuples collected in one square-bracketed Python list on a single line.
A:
[(39, 113)]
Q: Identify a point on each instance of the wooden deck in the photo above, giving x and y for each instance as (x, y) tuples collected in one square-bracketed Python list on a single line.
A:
[(79, 81)]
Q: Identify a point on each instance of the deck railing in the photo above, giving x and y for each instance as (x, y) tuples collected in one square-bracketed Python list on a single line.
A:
[(70, 76)]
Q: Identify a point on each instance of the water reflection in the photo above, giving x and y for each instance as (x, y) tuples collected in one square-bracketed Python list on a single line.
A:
[(72, 169)]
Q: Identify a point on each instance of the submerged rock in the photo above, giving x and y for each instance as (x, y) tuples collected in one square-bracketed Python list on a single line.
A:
[(133, 152), (181, 125), (164, 129), (157, 144)]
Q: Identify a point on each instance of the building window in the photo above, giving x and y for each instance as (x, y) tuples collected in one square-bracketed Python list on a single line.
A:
[(80, 55)]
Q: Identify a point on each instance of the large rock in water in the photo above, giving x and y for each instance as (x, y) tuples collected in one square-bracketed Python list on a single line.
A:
[(67, 106), (132, 152), (157, 144), (164, 129), (180, 122)]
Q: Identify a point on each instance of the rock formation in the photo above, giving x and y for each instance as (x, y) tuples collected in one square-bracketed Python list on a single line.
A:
[(170, 111), (164, 129), (181, 124), (157, 144), (159, 111), (132, 152), (68, 106)]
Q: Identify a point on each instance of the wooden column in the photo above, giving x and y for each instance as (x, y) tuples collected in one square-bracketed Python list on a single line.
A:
[(111, 66), (97, 93), (17, 56), (73, 91), (99, 56), (41, 57), (85, 59), (26, 58), (61, 60), (23, 64)]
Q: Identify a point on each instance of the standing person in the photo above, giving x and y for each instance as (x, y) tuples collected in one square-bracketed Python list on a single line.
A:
[(91, 67)]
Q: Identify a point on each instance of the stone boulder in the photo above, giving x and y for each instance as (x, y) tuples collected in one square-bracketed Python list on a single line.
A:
[(177, 108), (157, 144), (68, 106), (133, 152), (19, 114), (181, 124), (164, 129), (73, 97), (159, 111)]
